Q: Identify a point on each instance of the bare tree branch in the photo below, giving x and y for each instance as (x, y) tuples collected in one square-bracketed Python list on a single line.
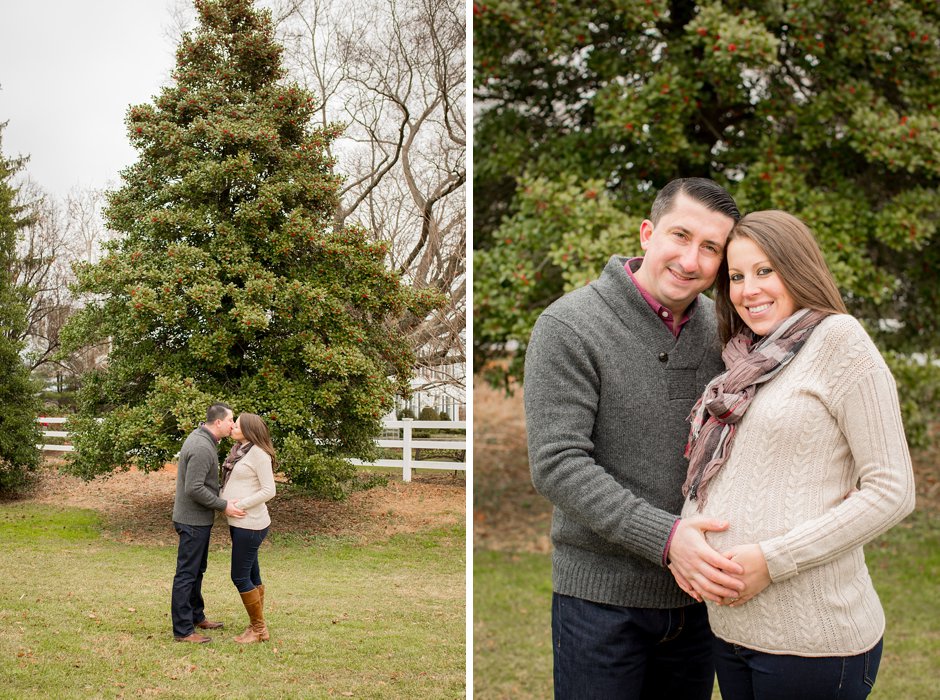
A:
[(394, 72), (56, 237)]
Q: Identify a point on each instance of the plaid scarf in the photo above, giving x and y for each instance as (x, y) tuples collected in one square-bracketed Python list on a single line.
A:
[(239, 450), (714, 417)]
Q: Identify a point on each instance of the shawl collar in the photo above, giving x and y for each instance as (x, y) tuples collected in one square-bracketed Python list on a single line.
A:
[(622, 296)]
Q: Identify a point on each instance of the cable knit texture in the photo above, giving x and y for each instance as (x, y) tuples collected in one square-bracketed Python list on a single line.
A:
[(251, 483), (607, 392), (828, 423)]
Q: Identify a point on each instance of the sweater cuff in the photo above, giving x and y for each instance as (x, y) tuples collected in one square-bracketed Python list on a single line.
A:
[(669, 542), (648, 532), (780, 562)]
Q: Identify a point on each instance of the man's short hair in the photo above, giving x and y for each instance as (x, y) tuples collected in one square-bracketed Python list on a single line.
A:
[(217, 411), (708, 192)]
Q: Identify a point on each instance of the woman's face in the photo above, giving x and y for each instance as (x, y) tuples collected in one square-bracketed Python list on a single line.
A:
[(756, 289), (237, 434)]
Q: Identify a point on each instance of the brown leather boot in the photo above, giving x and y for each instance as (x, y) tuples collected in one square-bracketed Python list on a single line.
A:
[(257, 630), (261, 588)]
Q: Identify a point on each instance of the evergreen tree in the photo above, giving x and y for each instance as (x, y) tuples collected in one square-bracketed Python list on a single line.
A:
[(230, 282), (19, 404), (825, 108)]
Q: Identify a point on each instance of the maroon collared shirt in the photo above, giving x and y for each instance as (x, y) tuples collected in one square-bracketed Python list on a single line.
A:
[(664, 314)]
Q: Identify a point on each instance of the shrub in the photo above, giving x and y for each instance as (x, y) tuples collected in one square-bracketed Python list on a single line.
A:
[(429, 413)]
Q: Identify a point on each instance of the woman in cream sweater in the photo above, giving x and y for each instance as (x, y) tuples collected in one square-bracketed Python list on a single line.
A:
[(248, 481), (799, 446)]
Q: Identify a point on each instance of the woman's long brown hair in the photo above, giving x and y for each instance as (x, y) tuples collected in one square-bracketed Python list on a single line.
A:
[(256, 432)]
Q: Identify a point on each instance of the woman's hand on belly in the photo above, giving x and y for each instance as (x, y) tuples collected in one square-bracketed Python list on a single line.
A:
[(756, 576)]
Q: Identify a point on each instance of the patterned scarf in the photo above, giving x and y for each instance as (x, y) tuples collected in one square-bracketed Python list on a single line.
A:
[(726, 398), (239, 450)]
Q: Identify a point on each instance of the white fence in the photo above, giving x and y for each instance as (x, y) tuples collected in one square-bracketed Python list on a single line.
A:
[(407, 444), (48, 420)]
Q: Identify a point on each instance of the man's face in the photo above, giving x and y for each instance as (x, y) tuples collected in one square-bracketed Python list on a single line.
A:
[(682, 253), (223, 426)]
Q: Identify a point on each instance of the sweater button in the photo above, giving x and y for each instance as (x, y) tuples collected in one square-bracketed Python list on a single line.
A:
[(663, 357)]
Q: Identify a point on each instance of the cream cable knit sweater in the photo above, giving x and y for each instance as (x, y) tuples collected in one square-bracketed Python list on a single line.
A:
[(828, 422), (251, 483)]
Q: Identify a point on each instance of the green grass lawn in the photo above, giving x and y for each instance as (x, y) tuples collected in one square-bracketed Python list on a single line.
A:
[(82, 616), (512, 617), (512, 645)]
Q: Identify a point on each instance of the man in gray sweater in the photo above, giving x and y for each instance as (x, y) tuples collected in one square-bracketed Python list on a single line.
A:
[(197, 500), (611, 373)]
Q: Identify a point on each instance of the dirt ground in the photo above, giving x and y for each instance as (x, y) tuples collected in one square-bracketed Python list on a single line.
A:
[(137, 507), (508, 514)]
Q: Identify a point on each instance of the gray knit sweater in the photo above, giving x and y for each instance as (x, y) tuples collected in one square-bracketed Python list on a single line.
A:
[(197, 480), (608, 389)]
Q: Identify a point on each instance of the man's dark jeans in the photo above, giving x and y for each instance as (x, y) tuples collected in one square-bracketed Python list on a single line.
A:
[(191, 559), (755, 675), (606, 651)]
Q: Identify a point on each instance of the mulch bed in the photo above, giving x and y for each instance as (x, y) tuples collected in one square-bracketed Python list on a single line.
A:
[(137, 507)]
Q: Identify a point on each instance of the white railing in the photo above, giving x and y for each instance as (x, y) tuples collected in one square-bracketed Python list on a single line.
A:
[(48, 420), (407, 444)]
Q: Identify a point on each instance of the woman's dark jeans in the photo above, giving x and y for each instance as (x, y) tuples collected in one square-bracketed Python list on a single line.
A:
[(246, 574), (745, 673)]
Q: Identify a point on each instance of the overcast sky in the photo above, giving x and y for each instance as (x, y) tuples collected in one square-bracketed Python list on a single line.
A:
[(69, 69)]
